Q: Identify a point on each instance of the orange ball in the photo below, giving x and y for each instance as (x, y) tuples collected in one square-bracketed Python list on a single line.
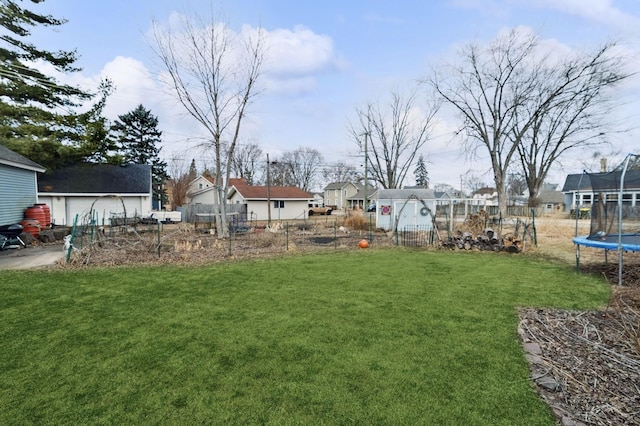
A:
[(363, 244)]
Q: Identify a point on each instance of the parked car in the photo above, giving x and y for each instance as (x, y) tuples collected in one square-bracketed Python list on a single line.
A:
[(372, 207), (320, 210)]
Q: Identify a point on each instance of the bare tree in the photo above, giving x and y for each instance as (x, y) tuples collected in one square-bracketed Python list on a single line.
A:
[(340, 171), (516, 184), (178, 184), (247, 162), (280, 173), (393, 134), (576, 119), (501, 91), (214, 74), (304, 166)]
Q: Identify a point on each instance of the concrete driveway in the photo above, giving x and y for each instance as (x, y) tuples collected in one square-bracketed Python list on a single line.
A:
[(31, 257)]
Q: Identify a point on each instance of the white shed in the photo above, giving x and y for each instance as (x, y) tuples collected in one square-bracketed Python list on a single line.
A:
[(405, 208)]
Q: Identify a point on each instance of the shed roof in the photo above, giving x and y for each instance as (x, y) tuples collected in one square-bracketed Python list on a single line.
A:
[(97, 179), (551, 197), (250, 192), (420, 193), (13, 159)]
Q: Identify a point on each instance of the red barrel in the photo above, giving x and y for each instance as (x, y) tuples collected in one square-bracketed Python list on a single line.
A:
[(31, 226), (47, 214), (36, 213)]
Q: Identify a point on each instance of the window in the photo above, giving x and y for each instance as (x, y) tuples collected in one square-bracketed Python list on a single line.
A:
[(278, 204), (199, 186)]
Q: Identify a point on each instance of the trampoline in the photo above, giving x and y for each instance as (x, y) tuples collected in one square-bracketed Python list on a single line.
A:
[(628, 242), (614, 210)]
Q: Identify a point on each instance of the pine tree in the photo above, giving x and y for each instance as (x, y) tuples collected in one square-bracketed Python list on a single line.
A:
[(421, 173), (139, 138), (193, 171), (31, 102)]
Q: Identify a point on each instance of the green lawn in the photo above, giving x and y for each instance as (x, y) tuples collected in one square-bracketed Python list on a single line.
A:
[(365, 337)]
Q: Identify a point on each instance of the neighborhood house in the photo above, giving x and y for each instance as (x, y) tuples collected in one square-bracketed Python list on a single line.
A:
[(101, 190)]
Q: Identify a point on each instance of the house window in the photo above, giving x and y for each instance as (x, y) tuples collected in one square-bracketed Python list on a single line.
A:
[(278, 204), (627, 199), (199, 186)]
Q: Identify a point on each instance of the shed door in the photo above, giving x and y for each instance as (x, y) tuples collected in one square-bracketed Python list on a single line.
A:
[(406, 213)]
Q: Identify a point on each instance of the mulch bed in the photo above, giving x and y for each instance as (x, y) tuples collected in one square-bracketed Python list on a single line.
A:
[(586, 365)]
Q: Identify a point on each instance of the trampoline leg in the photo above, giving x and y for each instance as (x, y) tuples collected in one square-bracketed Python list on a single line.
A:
[(577, 257)]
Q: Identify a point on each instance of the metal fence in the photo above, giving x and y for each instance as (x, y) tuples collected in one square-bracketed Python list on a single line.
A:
[(415, 236)]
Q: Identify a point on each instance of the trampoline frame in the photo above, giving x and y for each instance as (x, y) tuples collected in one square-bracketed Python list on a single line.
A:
[(604, 244)]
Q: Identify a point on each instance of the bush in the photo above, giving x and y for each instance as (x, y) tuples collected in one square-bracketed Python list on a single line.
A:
[(357, 222)]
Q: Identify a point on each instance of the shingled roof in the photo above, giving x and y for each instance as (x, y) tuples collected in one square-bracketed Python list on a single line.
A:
[(582, 181), (250, 192), (97, 179), (13, 159)]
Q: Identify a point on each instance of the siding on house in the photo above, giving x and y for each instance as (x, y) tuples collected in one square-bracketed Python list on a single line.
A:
[(285, 202), (17, 192), (18, 185)]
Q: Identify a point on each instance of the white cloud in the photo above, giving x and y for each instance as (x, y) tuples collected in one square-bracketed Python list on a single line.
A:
[(295, 57), (601, 11)]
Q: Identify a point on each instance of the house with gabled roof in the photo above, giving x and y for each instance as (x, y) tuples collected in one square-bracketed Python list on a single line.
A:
[(336, 194), (578, 190), (18, 185), (276, 202), (357, 201), (99, 191), (202, 190)]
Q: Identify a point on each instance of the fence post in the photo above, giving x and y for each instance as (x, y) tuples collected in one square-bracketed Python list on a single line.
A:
[(533, 223), (286, 237), (73, 231), (335, 235), (158, 238)]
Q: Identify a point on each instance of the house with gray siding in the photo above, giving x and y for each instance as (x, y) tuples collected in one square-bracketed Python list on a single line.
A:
[(18, 185)]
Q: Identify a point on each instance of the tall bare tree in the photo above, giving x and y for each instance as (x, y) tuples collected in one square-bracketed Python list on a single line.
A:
[(340, 171), (502, 90), (576, 119), (214, 74), (394, 133), (304, 166), (248, 162), (178, 183)]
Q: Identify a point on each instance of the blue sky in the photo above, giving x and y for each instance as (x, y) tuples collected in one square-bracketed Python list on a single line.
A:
[(348, 53)]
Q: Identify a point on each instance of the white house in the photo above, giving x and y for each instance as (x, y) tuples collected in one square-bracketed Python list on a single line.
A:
[(96, 192), (202, 190), (405, 208), (276, 202), (485, 197), (18, 185)]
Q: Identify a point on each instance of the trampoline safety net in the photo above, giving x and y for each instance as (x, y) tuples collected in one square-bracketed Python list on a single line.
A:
[(609, 216)]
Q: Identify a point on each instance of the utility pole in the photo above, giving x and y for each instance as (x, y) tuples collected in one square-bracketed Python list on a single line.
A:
[(366, 178), (268, 193)]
